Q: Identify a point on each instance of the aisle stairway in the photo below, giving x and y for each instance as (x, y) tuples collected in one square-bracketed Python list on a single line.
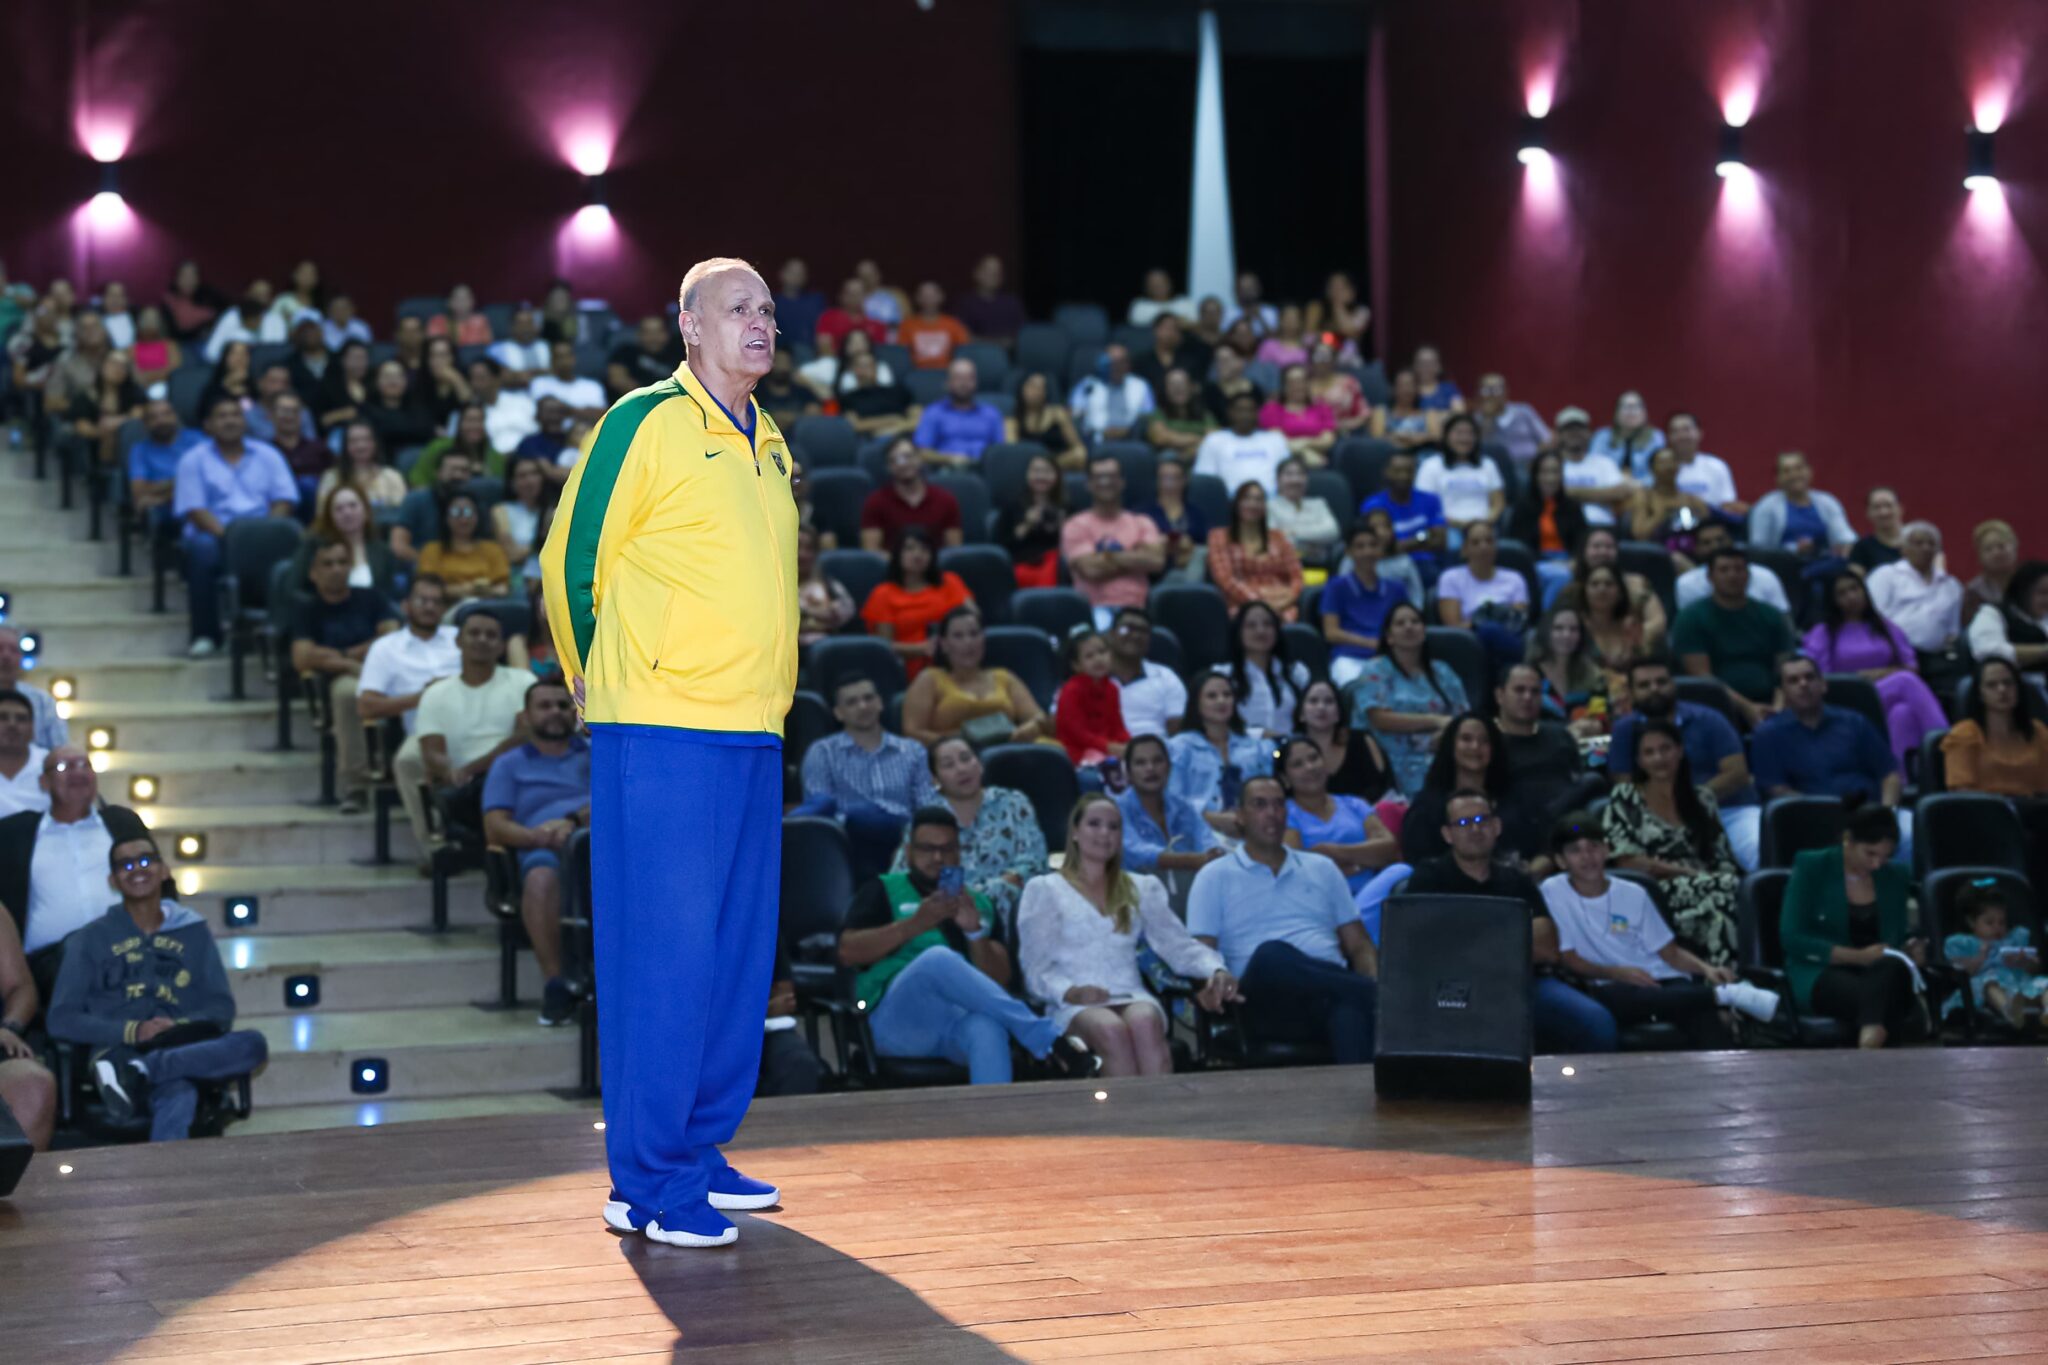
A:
[(388, 988)]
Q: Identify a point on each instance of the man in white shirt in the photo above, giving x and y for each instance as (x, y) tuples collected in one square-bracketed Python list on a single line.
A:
[(51, 728), (582, 396), (1241, 453), (509, 415), (251, 320), (463, 722), (1596, 481), (1112, 405), (400, 665), (66, 856), (21, 759), (1154, 697), (1916, 594), (523, 354), (1251, 304), (1706, 477), (1693, 585)]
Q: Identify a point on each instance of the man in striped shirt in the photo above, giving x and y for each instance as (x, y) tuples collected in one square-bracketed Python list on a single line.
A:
[(868, 778)]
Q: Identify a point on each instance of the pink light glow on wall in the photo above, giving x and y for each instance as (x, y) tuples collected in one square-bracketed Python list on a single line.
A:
[(1987, 215), (1738, 100), (1992, 84), (1742, 218), (104, 133), (1539, 93), (1542, 188), (588, 239), (586, 141)]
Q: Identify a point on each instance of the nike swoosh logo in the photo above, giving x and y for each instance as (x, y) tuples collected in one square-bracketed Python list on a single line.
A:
[(710, 454)]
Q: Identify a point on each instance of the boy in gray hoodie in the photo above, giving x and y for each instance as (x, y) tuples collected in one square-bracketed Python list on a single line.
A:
[(147, 967)]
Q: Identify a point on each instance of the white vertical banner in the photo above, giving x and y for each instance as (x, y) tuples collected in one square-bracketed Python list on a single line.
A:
[(1212, 258)]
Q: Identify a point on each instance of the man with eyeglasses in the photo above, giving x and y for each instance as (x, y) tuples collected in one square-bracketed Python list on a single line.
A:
[(53, 862), (1153, 695), (1567, 1020), (21, 758), (144, 987)]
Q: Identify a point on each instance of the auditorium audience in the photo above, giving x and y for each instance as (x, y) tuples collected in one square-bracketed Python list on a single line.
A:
[(1692, 585), (1181, 422), (908, 500), (1998, 557), (1183, 524), (400, 420), (1886, 542), (1406, 697), (1239, 452), (1405, 420), (1845, 927), (1111, 405), (1354, 605), (1078, 931), (1480, 596), (191, 303), (463, 723), (1548, 521), (1227, 383), (1421, 530), (871, 407), (1812, 749), (2000, 746), (1041, 421), (1436, 389), (1706, 477), (831, 375), (1630, 440), (400, 666), (335, 627), (1615, 629), (648, 358), (471, 563), (1001, 844), (28, 1092), (1665, 514), (1610, 936), (935, 970), (1345, 829), (345, 390), (1031, 533), (219, 482), (959, 694), (1593, 477), (510, 415), (1150, 695), (1302, 419), (1268, 683), (1514, 427), (1250, 308), (344, 516), (582, 397), (1468, 485), (1546, 773), (914, 596), (51, 730), (53, 857), (535, 798), (1337, 390), (2001, 960), (1854, 637), (1249, 561), (1089, 710), (1288, 928), (1798, 517), (1712, 748), (1111, 552), (1161, 832), (233, 377), (2016, 628), (1354, 761), (1308, 522), (1575, 687), (153, 461), (1565, 1019), (21, 758), (1338, 311), (1602, 545), (143, 986), (1731, 637), (155, 354), (1469, 758), (471, 438), (1660, 823), (520, 521), (1212, 754), (1916, 594), (1157, 299), (864, 777), (957, 429), (101, 408), (991, 312), (523, 356)]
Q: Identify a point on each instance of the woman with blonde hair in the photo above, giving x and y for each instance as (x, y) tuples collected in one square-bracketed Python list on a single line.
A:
[(1077, 936)]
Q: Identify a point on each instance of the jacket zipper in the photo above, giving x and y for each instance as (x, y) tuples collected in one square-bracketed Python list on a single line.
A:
[(781, 587)]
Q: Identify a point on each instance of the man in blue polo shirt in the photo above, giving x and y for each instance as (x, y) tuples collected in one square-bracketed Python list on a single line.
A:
[(220, 481), (153, 460), (535, 799), (1418, 516), (1711, 744), (1355, 605), (1813, 749), (956, 431), (1290, 932)]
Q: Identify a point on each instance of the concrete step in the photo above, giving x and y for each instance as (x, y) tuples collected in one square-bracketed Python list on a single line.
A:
[(74, 557), (208, 777), (427, 1053), (284, 835), (370, 970), (142, 728), (34, 601), (155, 680), (305, 1118), (328, 898), (137, 634)]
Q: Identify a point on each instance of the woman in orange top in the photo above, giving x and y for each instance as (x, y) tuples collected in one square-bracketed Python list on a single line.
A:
[(903, 607), (1251, 562), (2001, 746)]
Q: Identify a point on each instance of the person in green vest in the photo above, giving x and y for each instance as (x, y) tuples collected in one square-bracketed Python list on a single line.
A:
[(1846, 931), (931, 979)]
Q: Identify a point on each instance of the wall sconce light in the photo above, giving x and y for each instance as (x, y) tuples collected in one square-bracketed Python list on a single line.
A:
[(594, 191), (1981, 172), (1730, 160), (1533, 145)]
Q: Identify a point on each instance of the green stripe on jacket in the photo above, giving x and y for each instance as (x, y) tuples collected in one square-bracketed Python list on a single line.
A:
[(593, 499)]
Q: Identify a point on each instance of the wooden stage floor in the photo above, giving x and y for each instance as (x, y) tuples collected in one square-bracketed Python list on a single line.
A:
[(1791, 1207)]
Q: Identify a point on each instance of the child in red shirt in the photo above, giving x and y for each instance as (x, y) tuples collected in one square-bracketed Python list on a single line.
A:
[(1090, 708)]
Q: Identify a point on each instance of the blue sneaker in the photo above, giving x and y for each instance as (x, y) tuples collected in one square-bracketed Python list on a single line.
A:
[(731, 1190), (620, 1216), (695, 1225)]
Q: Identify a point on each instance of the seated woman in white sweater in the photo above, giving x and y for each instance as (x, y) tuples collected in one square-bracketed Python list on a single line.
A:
[(1077, 941)]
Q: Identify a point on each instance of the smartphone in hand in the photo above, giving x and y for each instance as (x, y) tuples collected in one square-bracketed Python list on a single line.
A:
[(952, 880)]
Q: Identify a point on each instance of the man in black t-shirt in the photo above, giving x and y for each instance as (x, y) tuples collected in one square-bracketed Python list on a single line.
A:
[(335, 628), (1546, 774), (1567, 1019), (875, 408), (650, 357)]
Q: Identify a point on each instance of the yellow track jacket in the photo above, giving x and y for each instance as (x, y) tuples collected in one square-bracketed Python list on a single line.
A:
[(670, 570)]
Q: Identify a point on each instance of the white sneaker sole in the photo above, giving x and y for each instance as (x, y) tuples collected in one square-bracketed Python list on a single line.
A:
[(618, 1214), (109, 1077)]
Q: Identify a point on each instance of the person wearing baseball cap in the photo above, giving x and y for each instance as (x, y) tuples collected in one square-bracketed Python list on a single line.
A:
[(1595, 480)]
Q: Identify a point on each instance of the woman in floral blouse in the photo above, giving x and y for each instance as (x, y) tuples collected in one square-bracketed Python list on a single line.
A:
[(1251, 562), (1001, 844), (1658, 821)]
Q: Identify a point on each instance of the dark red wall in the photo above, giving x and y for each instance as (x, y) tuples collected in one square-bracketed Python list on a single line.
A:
[(407, 144), (1872, 313)]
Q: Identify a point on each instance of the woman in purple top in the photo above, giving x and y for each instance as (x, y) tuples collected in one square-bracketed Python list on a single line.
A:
[(1854, 638)]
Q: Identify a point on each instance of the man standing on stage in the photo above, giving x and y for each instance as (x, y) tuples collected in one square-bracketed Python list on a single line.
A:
[(670, 577)]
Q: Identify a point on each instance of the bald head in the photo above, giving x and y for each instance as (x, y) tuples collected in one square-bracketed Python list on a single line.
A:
[(728, 323), (72, 784), (693, 278)]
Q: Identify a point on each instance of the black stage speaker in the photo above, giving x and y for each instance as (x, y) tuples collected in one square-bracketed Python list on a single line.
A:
[(14, 1153), (1454, 988)]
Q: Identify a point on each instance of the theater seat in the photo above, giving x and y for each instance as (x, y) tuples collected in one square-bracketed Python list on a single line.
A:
[(1758, 908)]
